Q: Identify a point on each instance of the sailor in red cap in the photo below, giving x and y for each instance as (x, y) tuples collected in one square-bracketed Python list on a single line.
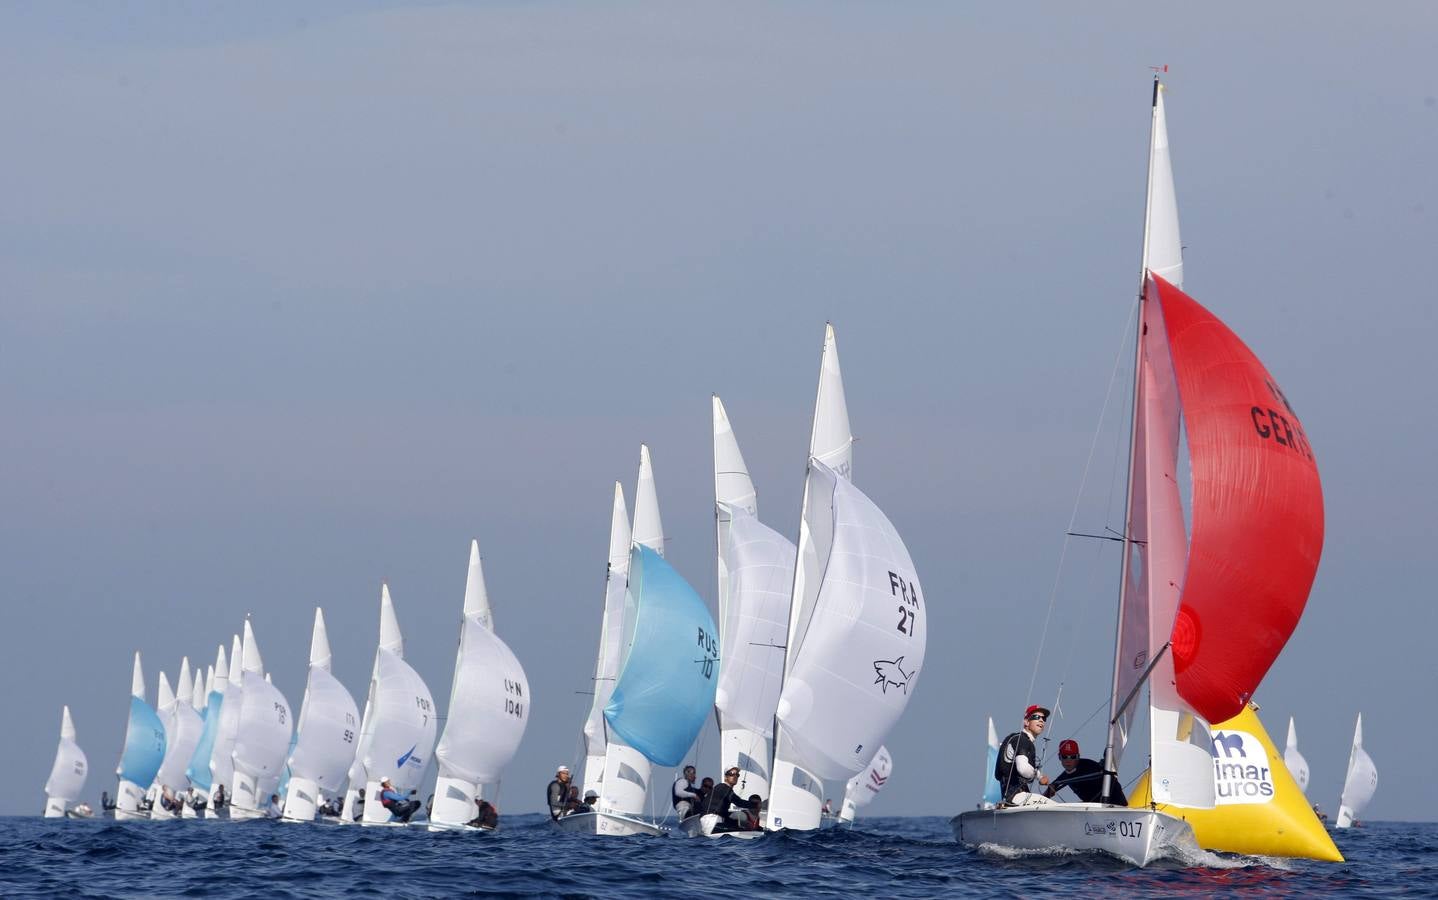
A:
[(1017, 764), (1085, 778)]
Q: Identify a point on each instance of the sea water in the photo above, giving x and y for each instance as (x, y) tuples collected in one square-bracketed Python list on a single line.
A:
[(879, 857)]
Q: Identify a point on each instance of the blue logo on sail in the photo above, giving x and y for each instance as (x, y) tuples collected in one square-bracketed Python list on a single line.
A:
[(408, 756)]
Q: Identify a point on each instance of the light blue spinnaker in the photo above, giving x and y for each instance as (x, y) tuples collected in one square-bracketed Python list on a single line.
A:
[(198, 770), (144, 745), (666, 686)]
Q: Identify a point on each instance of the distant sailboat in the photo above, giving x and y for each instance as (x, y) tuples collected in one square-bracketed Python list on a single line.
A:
[(198, 772), (1297, 765), (1359, 784), (67, 774), (850, 665), (666, 679), (143, 753), (487, 714), (222, 765), (993, 791), (262, 738), (865, 786), (755, 573), (183, 727), (397, 730), (325, 735)]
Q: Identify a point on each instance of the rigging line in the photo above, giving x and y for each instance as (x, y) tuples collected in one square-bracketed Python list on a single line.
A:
[(1073, 516)]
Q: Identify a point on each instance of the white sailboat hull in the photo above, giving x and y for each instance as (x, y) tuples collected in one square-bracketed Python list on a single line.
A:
[(300, 800), (245, 804), (1137, 836), (128, 797), (453, 803), (703, 826), (611, 824), (445, 826)]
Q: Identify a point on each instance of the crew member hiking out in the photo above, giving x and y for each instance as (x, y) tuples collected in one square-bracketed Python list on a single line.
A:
[(399, 808), (1085, 778), (684, 795), (1017, 764)]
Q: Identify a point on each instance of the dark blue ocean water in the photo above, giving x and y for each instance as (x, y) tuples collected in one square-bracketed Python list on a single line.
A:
[(883, 857)]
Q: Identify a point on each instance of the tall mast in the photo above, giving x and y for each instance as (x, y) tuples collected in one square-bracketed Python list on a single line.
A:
[(1115, 700)]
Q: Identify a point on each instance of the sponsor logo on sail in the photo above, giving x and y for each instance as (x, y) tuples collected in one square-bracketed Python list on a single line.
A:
[(1241, 770)]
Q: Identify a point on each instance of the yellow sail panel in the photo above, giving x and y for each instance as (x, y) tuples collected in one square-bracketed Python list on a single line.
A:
[(1260, 811)]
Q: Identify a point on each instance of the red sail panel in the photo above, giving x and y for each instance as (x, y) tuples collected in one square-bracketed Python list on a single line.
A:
[(1257, 512)]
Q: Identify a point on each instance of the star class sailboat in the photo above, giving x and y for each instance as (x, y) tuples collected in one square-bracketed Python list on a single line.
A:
[(666, 675), (865, 786), (199, 771), (1257, 532), (755, 574), (325, 735), (488, 711), (850, 666), (144, 751), (1359, 784), (67, 774), (262, 736)]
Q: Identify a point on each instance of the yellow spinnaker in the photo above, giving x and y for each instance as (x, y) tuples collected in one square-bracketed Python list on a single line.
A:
[(1260, 811)]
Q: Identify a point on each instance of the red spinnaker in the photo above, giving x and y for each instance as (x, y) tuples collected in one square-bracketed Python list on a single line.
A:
[(1257, 513)]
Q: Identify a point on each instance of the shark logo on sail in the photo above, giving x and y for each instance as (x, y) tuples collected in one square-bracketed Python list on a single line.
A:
[(1241, 771), (891, 672)]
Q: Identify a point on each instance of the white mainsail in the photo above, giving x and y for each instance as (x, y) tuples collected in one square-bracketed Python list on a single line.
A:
[(755, 574), (262, 739), (850, 665), (389, 639), (1359, 784), (1297, 765), (1155, 556), (67, 774), (182, 733), (222, 766), (611, 633), (488, 709), (865, 786), (326, 732), (627, 772)]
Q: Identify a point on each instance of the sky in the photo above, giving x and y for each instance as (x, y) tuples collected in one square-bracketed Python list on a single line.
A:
[(294, 300)]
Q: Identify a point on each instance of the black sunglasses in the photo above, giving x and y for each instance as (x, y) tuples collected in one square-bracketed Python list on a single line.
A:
[(1037, 718), (1068, 757)]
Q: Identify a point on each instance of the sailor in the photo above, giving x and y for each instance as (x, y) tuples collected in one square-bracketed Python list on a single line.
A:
[(722, 802), (219, 800), (273, 810), (557, 797), (105, 802), (591, 800), (487, 815), (1017, 763), (399, 808), (1085, 778), (683, 793)]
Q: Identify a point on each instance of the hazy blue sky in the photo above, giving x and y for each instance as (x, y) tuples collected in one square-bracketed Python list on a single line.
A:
[(296, 298)]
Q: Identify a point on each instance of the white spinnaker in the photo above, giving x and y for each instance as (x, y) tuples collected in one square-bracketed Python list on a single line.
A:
[(488, 710), (855, 667), (1360, 783), (67, 775), (865, 786), (1297, 765), (402, 727), (264, 735), (759, 564), (611, 632), (222, 766), (328, 724)]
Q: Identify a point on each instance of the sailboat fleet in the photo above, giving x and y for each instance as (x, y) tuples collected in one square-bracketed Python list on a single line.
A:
[(820, 643)]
